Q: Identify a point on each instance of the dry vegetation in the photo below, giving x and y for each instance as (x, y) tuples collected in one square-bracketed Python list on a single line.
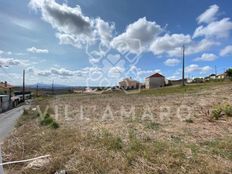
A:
[(104, 139)]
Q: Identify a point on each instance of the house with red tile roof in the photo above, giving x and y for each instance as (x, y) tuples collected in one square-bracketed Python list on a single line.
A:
[(155, 81)]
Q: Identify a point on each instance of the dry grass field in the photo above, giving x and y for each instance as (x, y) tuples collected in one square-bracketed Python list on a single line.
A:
[(172, 130)]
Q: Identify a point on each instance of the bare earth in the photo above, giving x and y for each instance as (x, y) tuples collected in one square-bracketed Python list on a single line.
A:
[(118, 133)]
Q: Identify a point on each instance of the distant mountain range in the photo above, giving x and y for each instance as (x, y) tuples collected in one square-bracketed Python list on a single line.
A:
[(48, 86)]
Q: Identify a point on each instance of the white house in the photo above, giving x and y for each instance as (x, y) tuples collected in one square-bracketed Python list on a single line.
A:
[(155, 81), (129, 83)]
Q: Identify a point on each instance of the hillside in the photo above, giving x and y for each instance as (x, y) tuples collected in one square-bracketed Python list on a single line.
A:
[(182, 131)]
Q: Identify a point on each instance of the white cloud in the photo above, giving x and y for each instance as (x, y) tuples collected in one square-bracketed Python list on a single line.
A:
[(203, 45), (72, 26), (105, 30), (7, 62), (37, 50), (206, 57), (218, 29), (209, 15), (172, 62), (115, 71), (137, 37), (44, 73), (170, 44), (62, 72), (196, 68), (1, 52), (226, 51), (143, 73)]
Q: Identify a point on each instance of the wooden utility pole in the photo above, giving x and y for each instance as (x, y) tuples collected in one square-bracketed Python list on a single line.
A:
[(53, 87), (183, 83), (24, 85), (37, 90)]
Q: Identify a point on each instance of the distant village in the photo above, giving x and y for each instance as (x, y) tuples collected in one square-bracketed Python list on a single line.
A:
[(11, 96)]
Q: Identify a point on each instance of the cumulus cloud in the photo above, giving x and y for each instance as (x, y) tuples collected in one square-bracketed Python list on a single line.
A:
[(44, 73), (105, 30), (37, 50), (72, 26), (209, 15), (63, 72), (196, 68), (226, 51), (218, 29), (77, 29), (137, 37), (170, 44), (172, 62), (7, 62), (206, 57), (203, 45)]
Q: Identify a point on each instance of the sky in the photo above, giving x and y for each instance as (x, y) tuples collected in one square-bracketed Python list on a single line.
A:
[(100, 42)]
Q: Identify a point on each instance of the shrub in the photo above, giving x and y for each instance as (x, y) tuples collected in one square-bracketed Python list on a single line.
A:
[(111, 142), (217, 113), (54, 125), (47, 120), (153, 125), (228, 110)]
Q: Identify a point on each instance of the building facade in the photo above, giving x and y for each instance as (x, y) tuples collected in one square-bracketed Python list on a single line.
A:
[(129, 83), (155, 81)]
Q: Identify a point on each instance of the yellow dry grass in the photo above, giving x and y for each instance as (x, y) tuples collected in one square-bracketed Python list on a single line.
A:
[(127, 143)]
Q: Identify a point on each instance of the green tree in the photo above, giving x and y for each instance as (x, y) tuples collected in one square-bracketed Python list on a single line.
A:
[(229, 73)]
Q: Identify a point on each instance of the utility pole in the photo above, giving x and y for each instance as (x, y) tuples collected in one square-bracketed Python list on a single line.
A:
[(37, 90), (53, 87), (24, 85), (183, 83)]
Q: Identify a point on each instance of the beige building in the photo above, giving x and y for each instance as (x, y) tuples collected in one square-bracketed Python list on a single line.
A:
[(155, 81), (221, 76), (129, 83)]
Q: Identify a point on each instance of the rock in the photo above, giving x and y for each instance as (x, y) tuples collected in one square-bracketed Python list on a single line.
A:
[(61, 172), (38, 164)]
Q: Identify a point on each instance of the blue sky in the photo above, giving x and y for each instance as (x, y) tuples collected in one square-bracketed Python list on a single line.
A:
[(86, 42)]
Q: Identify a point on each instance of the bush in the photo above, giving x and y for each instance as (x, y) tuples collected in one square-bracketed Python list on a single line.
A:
[(110, 141), (54, 125), (47, 120), (217, 113), (228, 110), (153, 125)]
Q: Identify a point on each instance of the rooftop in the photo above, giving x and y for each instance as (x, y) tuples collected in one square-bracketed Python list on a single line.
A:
[(156, 75)]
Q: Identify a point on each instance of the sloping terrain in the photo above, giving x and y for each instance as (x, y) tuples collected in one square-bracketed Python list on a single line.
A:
[(177, 132)]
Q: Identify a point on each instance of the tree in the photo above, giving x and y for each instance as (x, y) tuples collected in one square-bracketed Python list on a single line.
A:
[(229, 73)]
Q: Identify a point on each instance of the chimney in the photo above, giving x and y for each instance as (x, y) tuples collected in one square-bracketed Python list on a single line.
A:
[(5, 83)]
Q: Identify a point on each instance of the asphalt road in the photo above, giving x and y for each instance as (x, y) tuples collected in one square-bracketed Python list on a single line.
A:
[(8, 121)]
